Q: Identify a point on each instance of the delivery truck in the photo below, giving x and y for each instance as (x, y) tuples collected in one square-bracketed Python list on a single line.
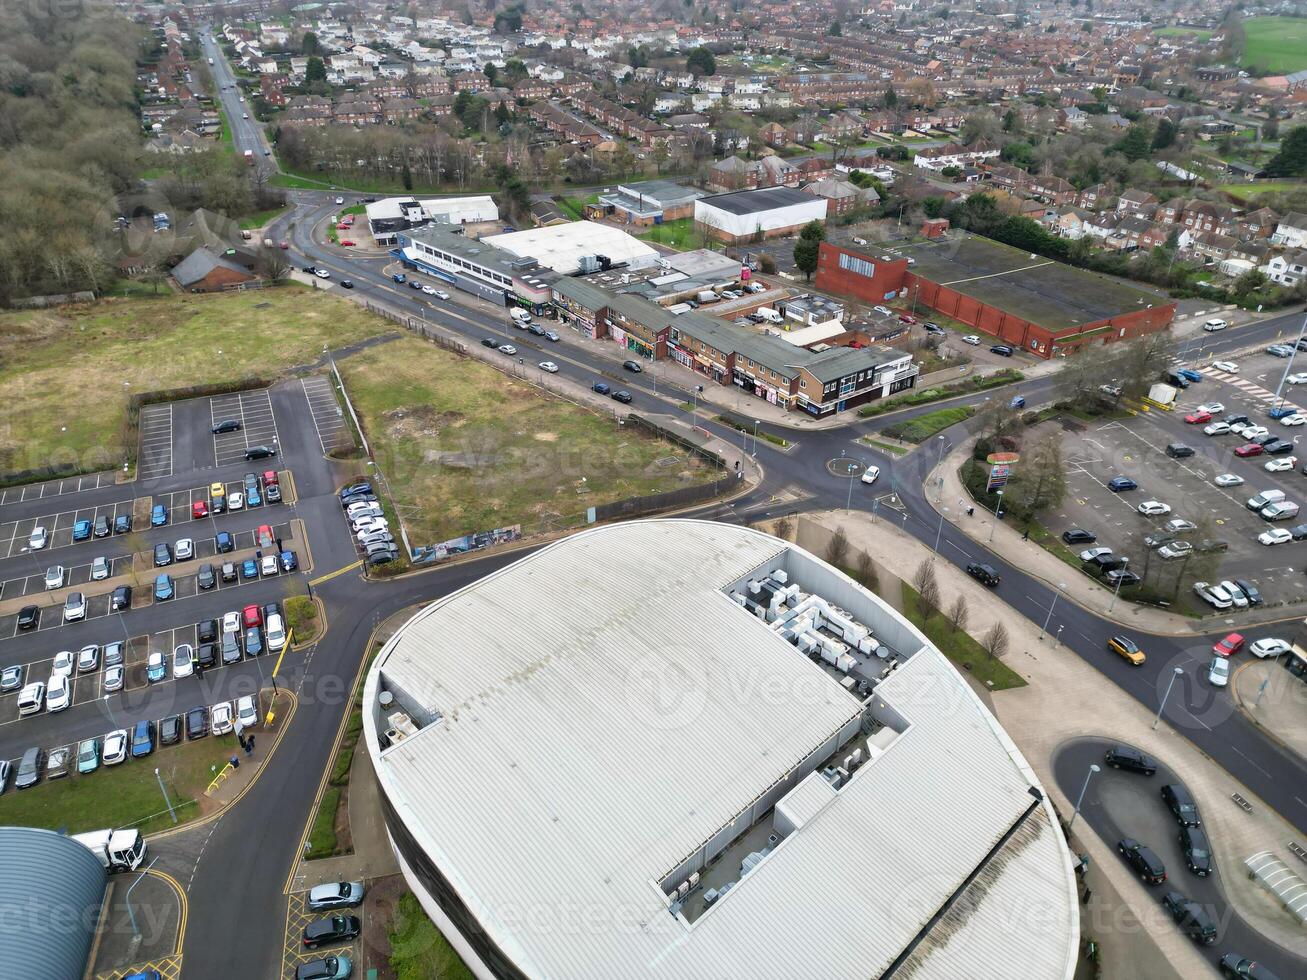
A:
[(118, 850), (249, 157)]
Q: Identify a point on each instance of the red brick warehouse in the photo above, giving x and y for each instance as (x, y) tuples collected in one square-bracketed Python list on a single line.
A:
[(1030, 302)]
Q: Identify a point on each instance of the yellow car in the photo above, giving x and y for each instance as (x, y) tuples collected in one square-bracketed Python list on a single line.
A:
[(217, 489), (1125, 647)]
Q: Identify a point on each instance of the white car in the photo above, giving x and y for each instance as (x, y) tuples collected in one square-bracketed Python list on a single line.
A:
[(870, 474), (1268, 646), (113, 678), (363, 521), (183, 660), (1154, 508), (340, 200), (74, 607), (1089, 554), (1218, 674), (31, 698), (1228, 480), (1216, 429), (441, 294), (115, 747), (549, 366), (883, 310), (236, 500), (507, 349), (220, 718), (429, 290), (1297, 418), (1236, 594), (39, 538), (1297, 379), (1276, 535), (1213, 595), (184, 549), (1214, 324), (275, 630), (1249, 431), (100, 569), (1215, 408), (62, 664), (88, 658), (369, 524), (357, 512), (1178, 524), (322, 273), (54, 577), (231, 622), (247, 715), (1229, 367), (1280, 464), (268, 565), (58, 695), (971, 339)]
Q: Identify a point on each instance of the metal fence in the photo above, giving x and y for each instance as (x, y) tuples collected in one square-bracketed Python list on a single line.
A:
[(667, 500), (419, 326)]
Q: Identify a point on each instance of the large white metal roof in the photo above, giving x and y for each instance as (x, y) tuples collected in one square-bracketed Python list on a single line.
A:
[(560, 247), (606, 708)]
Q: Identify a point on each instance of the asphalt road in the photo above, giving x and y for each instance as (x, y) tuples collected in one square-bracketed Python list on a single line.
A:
[(1121, 804)]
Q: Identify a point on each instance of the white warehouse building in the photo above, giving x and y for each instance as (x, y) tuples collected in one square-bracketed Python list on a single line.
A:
[(710, 755), (771, 212), (391, 215), (578, 246)]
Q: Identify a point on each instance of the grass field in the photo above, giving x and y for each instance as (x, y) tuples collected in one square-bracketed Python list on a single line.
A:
[(1277, 44), (959, 647), (678, 234), (466, 449), (924, 426), (418, 950), (1246, 190), (124, 795), (1194, 32), (61, 405), (261, 218)]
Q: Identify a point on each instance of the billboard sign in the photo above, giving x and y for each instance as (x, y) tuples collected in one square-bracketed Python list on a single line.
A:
[(998, 476)]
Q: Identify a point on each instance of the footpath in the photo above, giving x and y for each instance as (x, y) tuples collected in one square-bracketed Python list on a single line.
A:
[(1054, 707)]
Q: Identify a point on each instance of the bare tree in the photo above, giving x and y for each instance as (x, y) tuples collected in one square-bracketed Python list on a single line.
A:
[(784, 528), (958, 613), (837, 551), (867, 572), (273, 264), (996, 640), (927, 586)]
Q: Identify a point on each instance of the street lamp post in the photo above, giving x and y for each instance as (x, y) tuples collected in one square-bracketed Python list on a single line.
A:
[(755, 437), (1093, 768), (164, 791), (1049, 618), (939, 531), (1267, 680), (127, 900), (1117, 591), (848, 504), (998, 513), (1288, 366), (1162, 707)]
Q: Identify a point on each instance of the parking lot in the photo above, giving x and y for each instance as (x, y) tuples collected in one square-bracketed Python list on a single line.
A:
[(154, 460), (54, 488), (253, 409), (1135, 447), (297, 917), (328, 419)]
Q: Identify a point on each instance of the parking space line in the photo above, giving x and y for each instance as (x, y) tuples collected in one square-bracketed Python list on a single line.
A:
[(324, 410)]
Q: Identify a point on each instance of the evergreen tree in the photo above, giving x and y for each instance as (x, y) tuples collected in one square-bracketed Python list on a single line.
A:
[(807, 248), (1291, 161)]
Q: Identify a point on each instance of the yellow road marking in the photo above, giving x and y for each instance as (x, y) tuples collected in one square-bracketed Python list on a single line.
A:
[(340, 571)]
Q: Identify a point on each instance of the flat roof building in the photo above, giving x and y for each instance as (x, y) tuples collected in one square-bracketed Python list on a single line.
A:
[(649, 202), (475, 266), (576, 247), (392, 215), (770, 212), (710, 755)]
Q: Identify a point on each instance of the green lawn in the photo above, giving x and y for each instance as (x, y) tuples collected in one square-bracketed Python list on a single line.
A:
[(960, 647), (1276, 44), (1195, 32), (261, 218), (61, 406), (125, 795), (679, 234), (924, 426), (894, 449), (1246, 190), (466, 449), (418, 950), (288, 177)]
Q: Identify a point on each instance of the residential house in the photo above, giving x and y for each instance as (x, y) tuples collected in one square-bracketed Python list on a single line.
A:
[(841, 196), (1288, 269), (206, 271), (1291, 231), (1137, 202), (1094, 197)]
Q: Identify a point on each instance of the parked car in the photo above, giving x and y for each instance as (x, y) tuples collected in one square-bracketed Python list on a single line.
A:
[(163, 588), (31, 699), (260, 452), (1153, 508), (38, 539), (58, 693), (1191, 917), (30, 768), (327, 968), (74, 607), (1078, 535), (143, 736), (1142, 861), (1213, 595), (335, 895), (88, 658), (88, 756), (1118, 484), (158, 516), (82, 530), (102, 528), (197, 723), (1130, 758), (112, 679), (334, 929), (220, 718)]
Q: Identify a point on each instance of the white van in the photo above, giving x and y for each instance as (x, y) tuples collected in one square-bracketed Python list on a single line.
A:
[(768, 314), (1264, 498), (1282, 511), (1215, 324), (276, 632), (520, 316)]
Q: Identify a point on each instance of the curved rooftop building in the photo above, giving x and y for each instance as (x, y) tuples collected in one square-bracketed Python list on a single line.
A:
[(672, 748)]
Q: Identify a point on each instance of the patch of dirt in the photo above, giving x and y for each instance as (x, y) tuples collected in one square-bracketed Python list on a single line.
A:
[(546, 437), (419, 421), (344, 839), (34, 329), (383, 896)]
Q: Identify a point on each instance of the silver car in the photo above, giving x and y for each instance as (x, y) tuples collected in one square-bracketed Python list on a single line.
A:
[(335, 895), (113, 678), (100, 569)]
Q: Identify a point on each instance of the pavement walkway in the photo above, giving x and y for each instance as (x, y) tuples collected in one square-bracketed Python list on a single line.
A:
[(1275, 699), (1054, 708)]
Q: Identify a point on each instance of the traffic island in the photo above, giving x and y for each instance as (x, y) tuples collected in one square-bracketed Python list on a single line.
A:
[(141, 927)]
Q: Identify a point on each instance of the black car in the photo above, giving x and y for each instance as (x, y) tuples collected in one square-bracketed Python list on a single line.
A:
[(1212, 546), (1250, 591), (1003, 350), (414, 284), (632, 366), (102, 527), (1181, 804), (162, 554), (206, 656), (1101, 564), (1277, 448), (227, 425), (170, 730), (1145, 863), (983, 573), (536, 329), (383, 557), (30, 768), (206, 578), (1178, 450), (223, 542), (29, 617), (260, 452), (334, 929), (1128, 757), (1197, 852), (1234, 965), (111, 654), (1235, 419), (1122, 577), (1078, 535), (489, 342), (120, 598), (122, 524), (207, 631), (197, 722), (622, 396), (1191, 917), (347, 284), (231, 649), (228, 571)]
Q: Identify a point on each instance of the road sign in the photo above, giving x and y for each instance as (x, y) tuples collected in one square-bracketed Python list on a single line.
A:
[(998, 476)]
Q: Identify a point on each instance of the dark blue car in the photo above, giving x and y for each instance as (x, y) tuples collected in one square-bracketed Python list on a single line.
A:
[(1190, 374), (163, 589), (1279, 412), (600, 387), (249, 568), (158, 516), (142, 739), (1120, 483), (289, 562), (82, 530)]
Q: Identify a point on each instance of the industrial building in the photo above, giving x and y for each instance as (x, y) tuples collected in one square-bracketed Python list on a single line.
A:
[(51, 895), (710, 755), (388, 217), (1044, 307), (649, 202), (579, 246), (474, 266), (744, 216)]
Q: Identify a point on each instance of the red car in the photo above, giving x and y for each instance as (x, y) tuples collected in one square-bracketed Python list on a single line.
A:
[(1198, 418), (252, 616), (199, 509), (270, 478), (347, 242), (907, 318), (264, 536), (1232, 644), (343, 226), (1252, 449), (284, 245)]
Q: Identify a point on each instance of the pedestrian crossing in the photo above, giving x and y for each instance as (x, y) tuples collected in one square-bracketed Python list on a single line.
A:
[(1250, 388)]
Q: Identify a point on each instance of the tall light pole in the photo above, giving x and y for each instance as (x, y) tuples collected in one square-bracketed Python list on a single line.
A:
[(164, 791), (755, 437), (1117, 591), (1051, 605), (1162, 707), (939, 531), (998, 513), (1288, 366), (1267, 680), (1093, 768), (127, 899)]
